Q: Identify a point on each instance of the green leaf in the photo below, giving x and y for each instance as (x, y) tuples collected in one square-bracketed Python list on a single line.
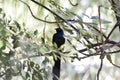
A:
[(13, 28), (37, 66), (42, 70), (40, 76), (4, 15), (55, 45), (54, 55), (15, 41), (109, 58), (32, 64), (17, 25), (102, 56), (1, 10), (43, 40), (35, 32), (45, 61), (1, 43), (68, 30), (27, 76)]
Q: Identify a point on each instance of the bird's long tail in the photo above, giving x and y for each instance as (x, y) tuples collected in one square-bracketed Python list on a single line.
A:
[(56, 68)]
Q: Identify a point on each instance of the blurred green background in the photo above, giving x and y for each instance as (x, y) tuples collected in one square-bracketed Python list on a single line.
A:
[(26, 43)]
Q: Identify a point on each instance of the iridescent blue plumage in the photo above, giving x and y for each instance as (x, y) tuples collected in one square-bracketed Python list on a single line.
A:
[(59, 39)]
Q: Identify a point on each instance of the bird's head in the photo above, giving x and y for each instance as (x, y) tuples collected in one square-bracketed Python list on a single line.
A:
[(59, 31)]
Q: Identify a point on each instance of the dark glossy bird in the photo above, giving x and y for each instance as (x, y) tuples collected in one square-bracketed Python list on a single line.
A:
[(58, 39)]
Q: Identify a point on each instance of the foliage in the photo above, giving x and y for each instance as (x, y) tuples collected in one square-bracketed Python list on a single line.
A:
[(17, 44), (28, 53)]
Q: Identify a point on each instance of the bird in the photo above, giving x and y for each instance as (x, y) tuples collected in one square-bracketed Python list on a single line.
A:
[(59, 40), (58, 37)]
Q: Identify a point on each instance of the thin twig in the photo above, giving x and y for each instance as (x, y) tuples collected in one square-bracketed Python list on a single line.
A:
[(44, 29), (72, 3), (114, 5), (115, 65), (59, 20), (100, 68), (80, 58), (111, 31), (101, 32), (2, 74), (94, 29), (68, 23), (98, 44), (34, 15), (75, 47), (113, 52)]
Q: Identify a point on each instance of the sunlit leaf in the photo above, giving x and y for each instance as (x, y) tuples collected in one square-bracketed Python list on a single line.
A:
[(37, 66), (109, 58), (42, 70), (17, 25), (55, 45), (68, 30)]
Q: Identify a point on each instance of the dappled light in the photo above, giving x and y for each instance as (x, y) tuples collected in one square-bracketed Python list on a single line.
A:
[(78, 37)]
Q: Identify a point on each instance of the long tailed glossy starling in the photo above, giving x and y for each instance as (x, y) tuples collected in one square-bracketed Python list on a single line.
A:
[(58, 39)]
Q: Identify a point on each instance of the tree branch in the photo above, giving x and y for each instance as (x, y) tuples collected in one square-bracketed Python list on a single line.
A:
[(55, 14), (116, 11), (72, 3), (34, 15), (98, 44), (100, 68), (111, 31)]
